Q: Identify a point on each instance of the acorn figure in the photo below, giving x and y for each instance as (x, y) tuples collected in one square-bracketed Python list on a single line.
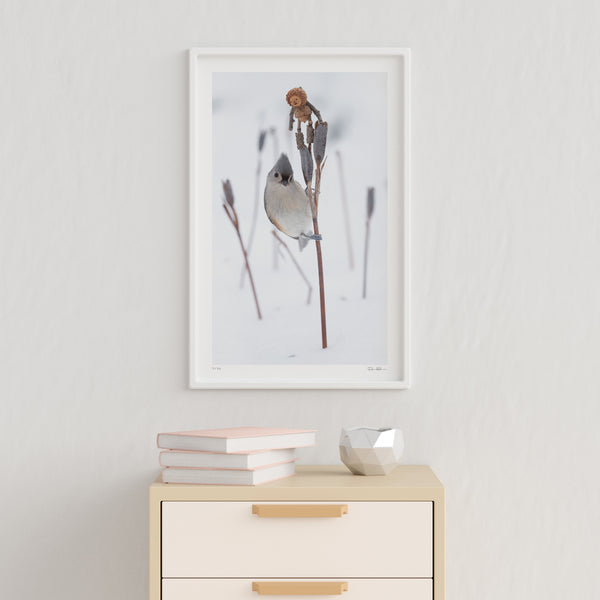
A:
[(302, 109)]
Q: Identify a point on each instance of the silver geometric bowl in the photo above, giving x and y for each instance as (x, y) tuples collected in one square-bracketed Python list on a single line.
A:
[(371, 450)]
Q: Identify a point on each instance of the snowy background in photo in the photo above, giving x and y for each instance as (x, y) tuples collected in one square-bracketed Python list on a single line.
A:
[(354, 105)]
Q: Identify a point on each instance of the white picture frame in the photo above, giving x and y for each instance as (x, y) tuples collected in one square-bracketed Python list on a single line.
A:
[(206, 66)]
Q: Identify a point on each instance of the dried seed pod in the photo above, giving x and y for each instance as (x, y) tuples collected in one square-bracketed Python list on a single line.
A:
[(370, 201), (299, 140), (261, 139), (228, 191), (320, 143), (310, 133), (307, 164)]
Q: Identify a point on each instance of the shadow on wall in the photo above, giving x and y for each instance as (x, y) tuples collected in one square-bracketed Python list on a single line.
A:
[(101, 540)]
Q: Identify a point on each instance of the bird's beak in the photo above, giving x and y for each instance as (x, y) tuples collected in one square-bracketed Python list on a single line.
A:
[(284, 181)]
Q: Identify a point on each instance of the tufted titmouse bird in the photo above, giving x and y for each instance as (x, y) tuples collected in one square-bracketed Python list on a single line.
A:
[(287, 204)]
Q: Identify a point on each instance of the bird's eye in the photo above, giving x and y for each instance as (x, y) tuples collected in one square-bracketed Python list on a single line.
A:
[(276, 175)]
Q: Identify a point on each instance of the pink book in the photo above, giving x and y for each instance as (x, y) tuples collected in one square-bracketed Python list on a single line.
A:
[(237, 439)]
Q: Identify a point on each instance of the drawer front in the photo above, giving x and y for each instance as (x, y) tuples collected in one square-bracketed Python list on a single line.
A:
[(241, 589), (225, 539)]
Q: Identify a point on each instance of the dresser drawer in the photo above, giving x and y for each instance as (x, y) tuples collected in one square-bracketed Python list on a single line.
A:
[(241, 589), (225, 539)]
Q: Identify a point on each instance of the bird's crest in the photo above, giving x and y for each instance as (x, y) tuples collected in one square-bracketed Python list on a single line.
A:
[(283, 166)]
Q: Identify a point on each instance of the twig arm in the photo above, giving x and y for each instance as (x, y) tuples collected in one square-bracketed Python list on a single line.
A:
[(313, 108)]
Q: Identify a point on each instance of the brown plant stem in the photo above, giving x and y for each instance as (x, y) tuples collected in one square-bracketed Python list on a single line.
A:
[(321, 285), (296, 264), (317, 143), (313, 197), (232, 214)]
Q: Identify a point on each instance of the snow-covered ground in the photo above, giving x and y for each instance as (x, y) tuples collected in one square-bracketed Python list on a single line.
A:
[(354, 105)]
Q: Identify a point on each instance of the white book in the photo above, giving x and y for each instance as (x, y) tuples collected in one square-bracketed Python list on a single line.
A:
[(222, 460), (228, 476), (237, 439)]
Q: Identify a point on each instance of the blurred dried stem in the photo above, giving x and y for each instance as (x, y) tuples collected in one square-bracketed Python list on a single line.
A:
[(260, 145), (344, 197), (370, 209), (228, 206)]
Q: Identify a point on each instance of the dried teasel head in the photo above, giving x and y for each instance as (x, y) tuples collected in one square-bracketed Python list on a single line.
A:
[(370, 201), (320, 143), (228, 192), (307, 164), (310, 133), (296, 97)]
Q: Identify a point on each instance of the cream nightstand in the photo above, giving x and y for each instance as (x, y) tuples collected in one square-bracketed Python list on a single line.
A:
[(322, 532)]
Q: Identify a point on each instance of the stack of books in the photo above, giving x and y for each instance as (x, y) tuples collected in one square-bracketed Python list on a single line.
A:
[(237, 456)]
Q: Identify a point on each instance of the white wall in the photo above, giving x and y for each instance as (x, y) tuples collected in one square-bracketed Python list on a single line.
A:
[(506, 293)]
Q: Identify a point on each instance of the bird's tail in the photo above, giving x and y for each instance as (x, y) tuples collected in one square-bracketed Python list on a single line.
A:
[(303, 242)]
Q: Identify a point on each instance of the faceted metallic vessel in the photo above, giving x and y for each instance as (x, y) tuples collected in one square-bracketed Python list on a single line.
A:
[(371, 451)]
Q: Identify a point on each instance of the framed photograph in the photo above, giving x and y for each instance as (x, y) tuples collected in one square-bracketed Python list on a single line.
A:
[(299, 220)]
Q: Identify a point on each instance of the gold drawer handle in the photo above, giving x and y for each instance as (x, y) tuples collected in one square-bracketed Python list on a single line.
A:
[(308, 511), (300, 588)]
